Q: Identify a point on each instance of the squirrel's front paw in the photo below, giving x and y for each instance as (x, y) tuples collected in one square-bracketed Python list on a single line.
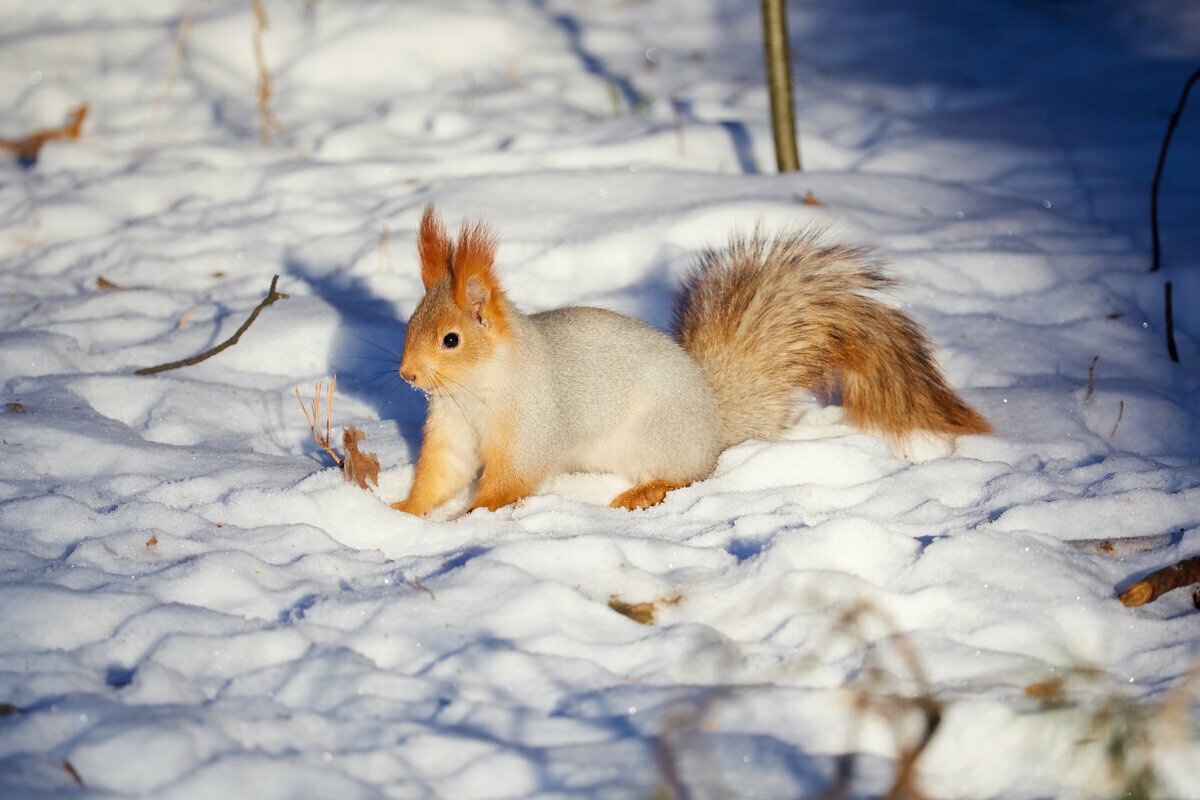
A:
[(408, 507)]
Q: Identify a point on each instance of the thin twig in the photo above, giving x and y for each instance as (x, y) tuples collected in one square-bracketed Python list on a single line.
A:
[(1087, 398), (271, 297), (415, 583), (185, 31), (268, 122), (1169, 314), (1120, 413), (74, 773), (329, 412), (1162, 160)]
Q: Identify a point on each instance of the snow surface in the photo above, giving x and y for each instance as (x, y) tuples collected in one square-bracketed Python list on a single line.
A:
[(194, 604)]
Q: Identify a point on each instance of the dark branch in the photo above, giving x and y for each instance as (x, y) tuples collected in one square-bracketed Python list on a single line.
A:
[(1162, 160), (1169, 314), (271, 297), (1161, 581)]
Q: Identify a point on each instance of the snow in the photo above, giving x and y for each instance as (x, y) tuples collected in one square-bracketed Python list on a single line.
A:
[(195, 604)]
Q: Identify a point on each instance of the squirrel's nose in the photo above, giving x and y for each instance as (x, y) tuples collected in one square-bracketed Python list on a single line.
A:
[(408, 374)]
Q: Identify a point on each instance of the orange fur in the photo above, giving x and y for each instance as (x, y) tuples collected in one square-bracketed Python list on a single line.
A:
[(767, 317), (434, 248), (647, 494), (462, 294), (477, 290), (501, 482), (438, 475)]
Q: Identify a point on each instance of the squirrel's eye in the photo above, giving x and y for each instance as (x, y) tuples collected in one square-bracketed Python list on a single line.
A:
[(450, 341)]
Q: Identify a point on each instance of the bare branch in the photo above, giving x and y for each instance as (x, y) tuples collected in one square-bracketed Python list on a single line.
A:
[(271, 297), (1161, 581)]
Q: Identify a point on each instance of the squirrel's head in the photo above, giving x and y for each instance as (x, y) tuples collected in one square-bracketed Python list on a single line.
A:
[(462, 318)]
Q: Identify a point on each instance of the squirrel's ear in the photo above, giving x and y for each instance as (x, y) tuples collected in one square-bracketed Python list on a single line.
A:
[(478, 295), (475, 283), (434, 248)]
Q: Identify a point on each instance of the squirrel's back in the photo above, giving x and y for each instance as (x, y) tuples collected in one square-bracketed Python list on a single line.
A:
[(628, 398), (768, 316)]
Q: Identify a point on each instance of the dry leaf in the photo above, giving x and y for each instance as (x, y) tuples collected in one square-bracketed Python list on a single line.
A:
[(1050, 690), (153, 540), (810, 199), (642, 613), (9, 708), (359, 467), (15, 408), (107, 285), (26, 150)]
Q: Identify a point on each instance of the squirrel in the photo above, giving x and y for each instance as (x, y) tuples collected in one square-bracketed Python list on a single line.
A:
[(516, 398)]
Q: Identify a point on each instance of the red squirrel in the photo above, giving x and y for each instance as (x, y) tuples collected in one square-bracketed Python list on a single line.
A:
[(517, 398)]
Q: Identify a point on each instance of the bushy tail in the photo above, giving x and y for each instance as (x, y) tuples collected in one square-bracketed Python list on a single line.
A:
[(766, 317)]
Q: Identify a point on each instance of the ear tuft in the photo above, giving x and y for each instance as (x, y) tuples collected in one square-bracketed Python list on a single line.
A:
[(434, 248), (475, 284)]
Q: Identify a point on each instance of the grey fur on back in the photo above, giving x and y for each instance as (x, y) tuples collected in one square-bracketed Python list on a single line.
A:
[(628, 396)]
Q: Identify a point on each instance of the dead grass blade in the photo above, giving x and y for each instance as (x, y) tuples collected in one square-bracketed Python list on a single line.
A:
[(314, 420), (269, 124)]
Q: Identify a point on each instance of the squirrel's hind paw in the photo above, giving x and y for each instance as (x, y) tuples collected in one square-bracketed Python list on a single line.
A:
[(644, 495)]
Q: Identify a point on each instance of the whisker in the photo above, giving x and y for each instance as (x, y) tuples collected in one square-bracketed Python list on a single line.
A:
[(371, 377), (482, 402), (437, 382), (377, 345), (375, 358), (391, 393)]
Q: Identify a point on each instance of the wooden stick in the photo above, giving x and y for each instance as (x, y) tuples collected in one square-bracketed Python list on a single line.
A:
[(1160, 582), (271, 297)]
